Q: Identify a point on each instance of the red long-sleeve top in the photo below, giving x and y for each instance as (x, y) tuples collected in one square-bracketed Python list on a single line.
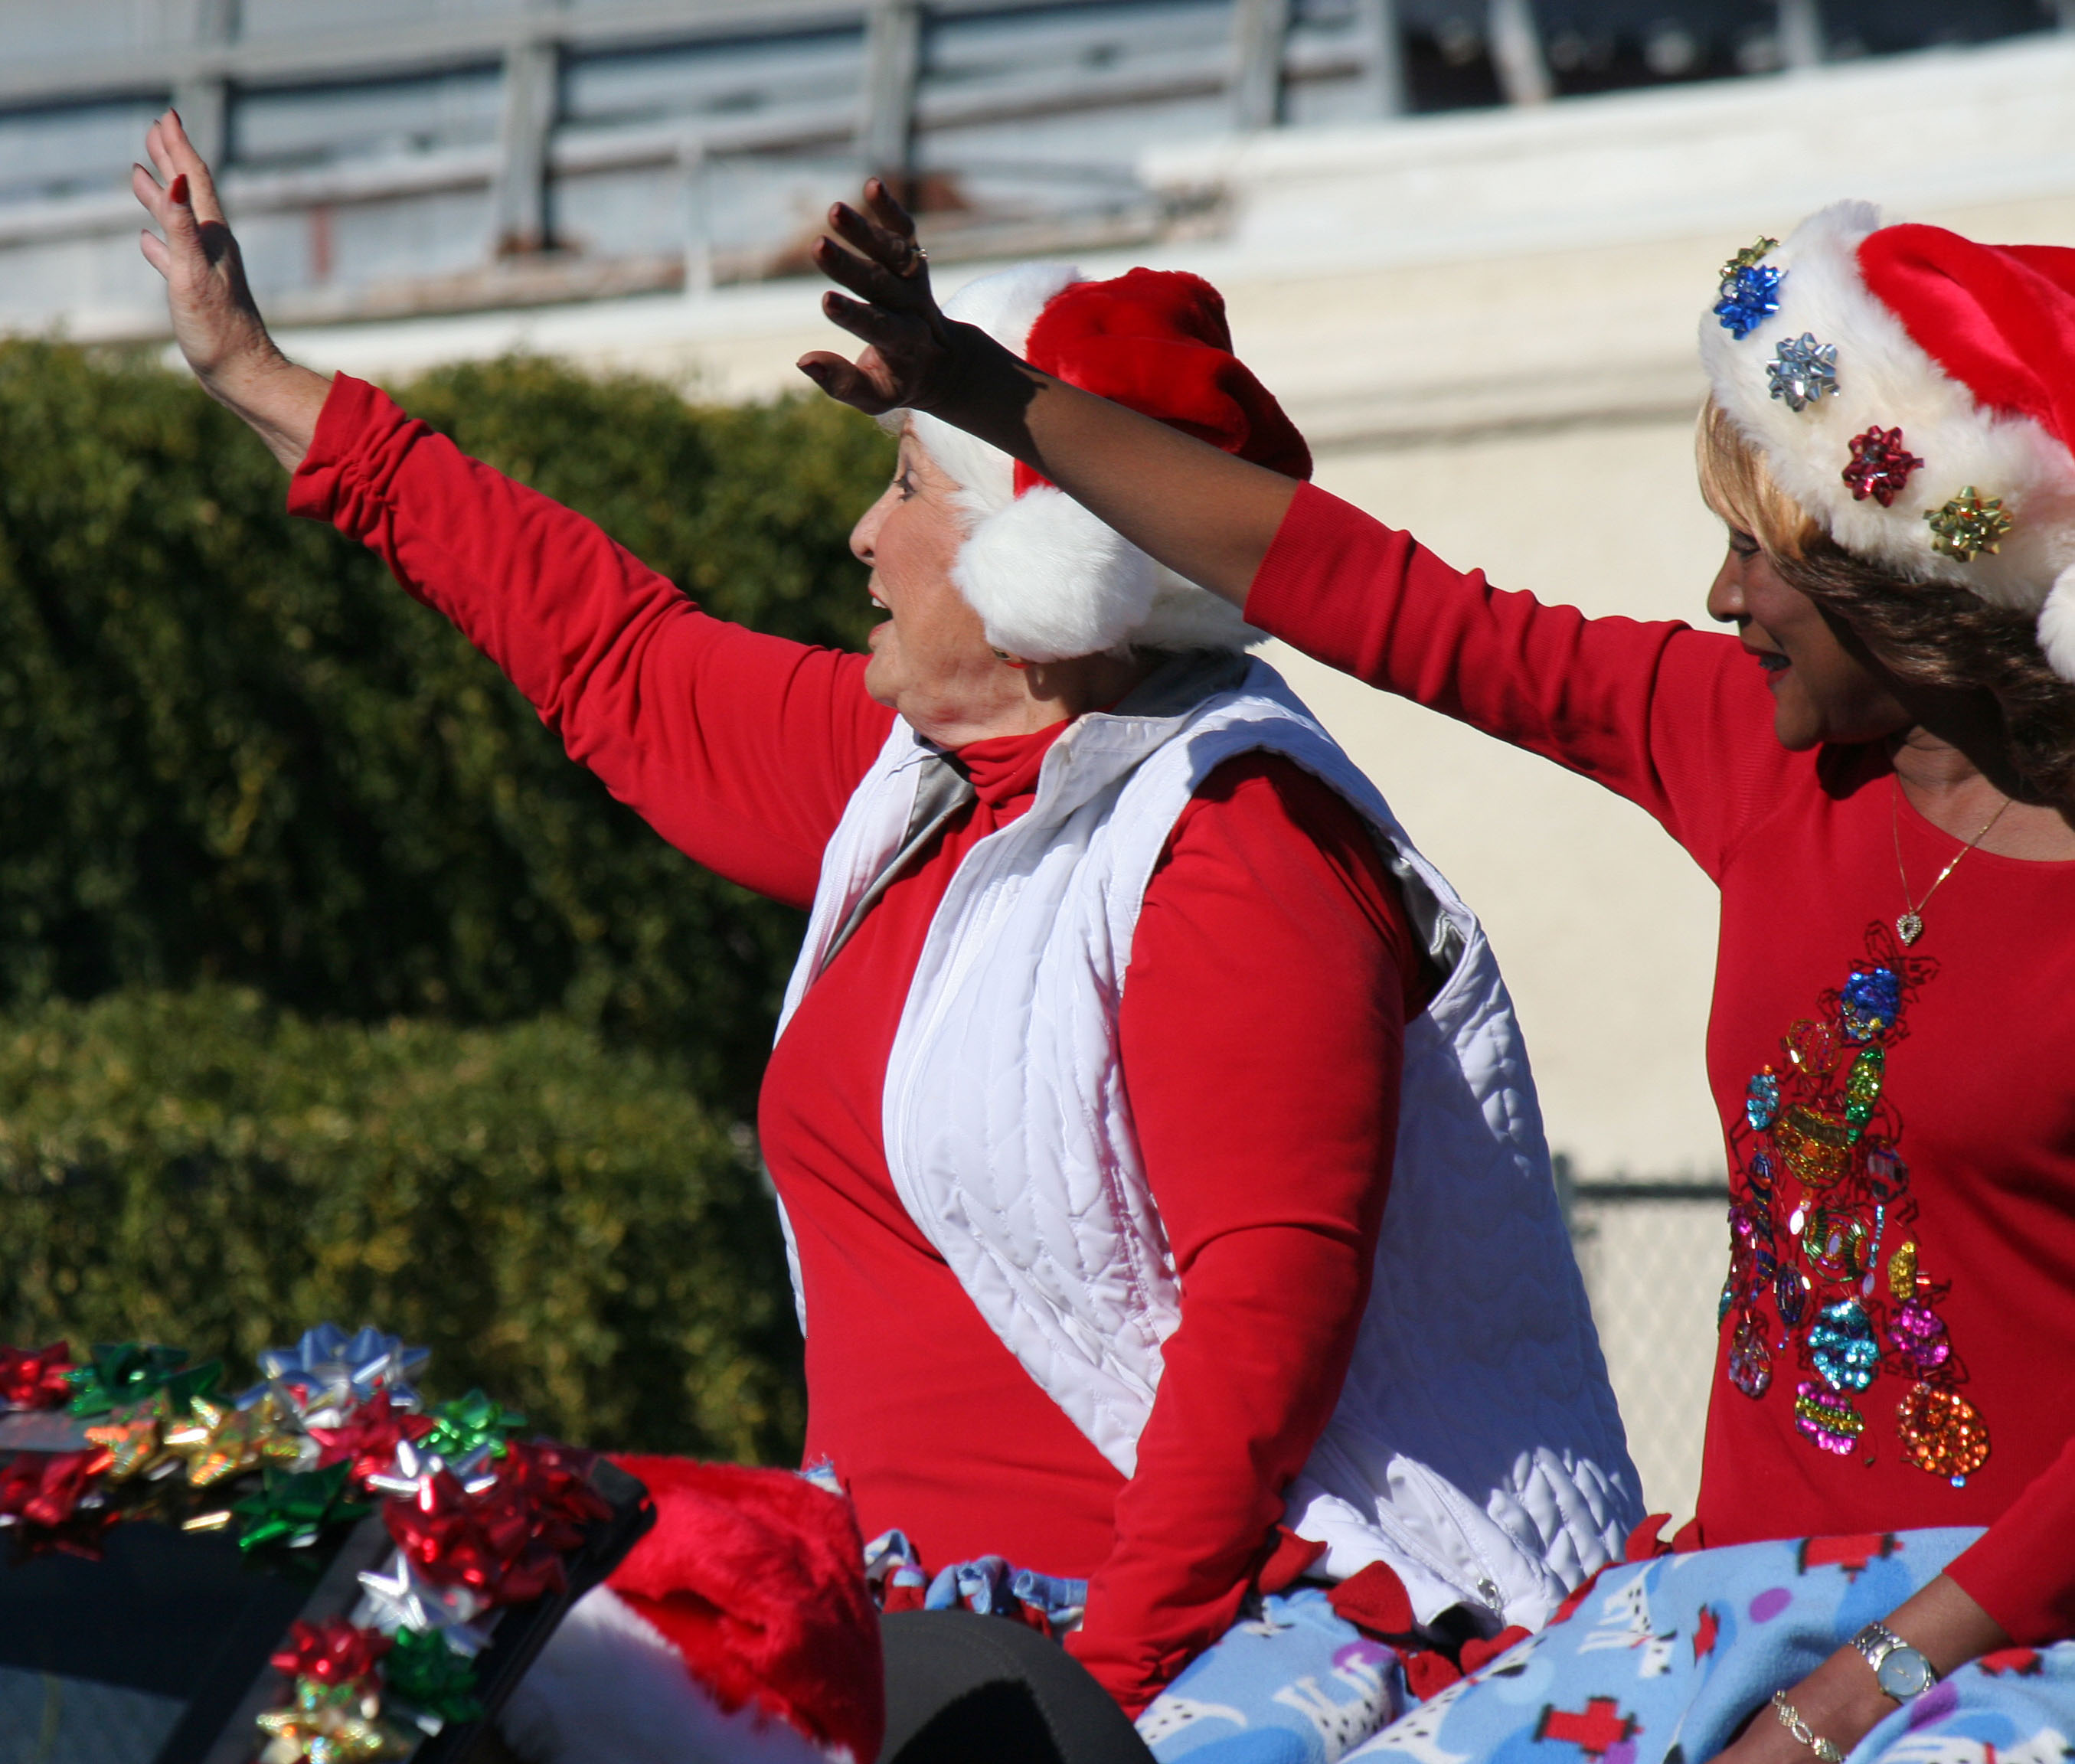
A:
[(1802, 846), (1261, 1035)]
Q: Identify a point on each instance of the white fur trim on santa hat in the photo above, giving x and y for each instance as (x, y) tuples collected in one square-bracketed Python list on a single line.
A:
[(609, 1689), (1885, 378), (1048, 580), (2056, 626)]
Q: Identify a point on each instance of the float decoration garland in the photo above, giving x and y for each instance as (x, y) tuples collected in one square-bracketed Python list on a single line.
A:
[(480, 1520)]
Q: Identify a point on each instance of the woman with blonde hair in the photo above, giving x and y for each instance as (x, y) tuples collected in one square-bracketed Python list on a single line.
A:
[(1878, 771)]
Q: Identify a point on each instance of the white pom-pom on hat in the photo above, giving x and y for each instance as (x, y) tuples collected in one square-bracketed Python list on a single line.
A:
[(2056, 626), (1049, 579)]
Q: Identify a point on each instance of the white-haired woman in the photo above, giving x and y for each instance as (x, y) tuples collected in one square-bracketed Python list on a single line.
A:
[(1097, 1279), (1881, 777)]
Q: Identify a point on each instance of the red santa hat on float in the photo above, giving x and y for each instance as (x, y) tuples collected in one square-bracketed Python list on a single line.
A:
[(739, 1631), (1048, 579), (1915, 392)]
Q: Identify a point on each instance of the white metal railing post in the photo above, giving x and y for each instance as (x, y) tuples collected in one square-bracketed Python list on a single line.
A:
[(892, 70), (1384, 76), (1260, 29), (1516, 53), (204, 99), (694, 193), (519, 201), (1800, 33)]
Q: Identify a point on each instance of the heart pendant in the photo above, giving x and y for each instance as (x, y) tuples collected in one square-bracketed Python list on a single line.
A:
[(1909, 928)]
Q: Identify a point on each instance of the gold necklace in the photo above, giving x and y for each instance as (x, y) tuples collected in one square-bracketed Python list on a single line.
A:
[(1909, 927)]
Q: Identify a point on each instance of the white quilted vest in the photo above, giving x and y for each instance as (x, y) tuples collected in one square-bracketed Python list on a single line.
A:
[(1477, 1447)]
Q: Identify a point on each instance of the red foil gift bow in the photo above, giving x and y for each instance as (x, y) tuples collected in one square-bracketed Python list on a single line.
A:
[(35, 1377), (333, 1653), (43, 1488), (504, 1541), (368, 1438)]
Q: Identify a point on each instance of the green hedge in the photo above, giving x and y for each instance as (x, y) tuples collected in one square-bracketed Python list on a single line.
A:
[(399, 1018), (558, 1219), (232, 750)]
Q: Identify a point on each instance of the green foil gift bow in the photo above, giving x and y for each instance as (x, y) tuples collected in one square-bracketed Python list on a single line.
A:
[(422, 1671), (127, 1372), (297, 1507), (467, 1424)]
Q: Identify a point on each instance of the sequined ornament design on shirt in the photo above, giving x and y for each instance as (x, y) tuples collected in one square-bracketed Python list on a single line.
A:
[(1825, 1263)]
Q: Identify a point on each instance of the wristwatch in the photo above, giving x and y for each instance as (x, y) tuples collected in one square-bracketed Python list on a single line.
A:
[(1901, 1670)]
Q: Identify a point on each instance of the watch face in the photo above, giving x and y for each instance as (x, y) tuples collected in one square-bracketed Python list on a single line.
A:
[(1904, 1674)]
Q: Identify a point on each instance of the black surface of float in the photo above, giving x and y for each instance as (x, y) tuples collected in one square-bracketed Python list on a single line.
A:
[(190, 1617)]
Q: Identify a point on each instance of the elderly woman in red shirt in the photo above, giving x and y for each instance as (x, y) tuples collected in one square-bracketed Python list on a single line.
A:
[(1098, 1280), (1880, 773)]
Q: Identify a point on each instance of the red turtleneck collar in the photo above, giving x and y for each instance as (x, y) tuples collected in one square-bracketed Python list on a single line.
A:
[(1004, 767)]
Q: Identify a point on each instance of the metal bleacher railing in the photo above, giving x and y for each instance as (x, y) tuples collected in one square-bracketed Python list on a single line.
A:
[(385, 157)]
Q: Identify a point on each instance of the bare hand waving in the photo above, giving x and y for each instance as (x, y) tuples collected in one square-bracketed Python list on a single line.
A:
[(911, 359), (216, 321)]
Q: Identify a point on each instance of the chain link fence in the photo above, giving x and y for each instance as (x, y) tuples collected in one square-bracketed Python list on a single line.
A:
[(1653, 1254)]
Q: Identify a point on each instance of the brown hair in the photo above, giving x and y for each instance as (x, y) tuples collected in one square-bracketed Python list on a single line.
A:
[(1930, 633)]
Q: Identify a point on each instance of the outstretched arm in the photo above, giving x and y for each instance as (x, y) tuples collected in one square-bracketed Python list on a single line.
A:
[(1207, 516), (216, 321), (740, 749)]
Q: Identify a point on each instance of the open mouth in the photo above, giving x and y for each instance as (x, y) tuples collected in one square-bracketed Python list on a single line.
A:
[(1771, 661)]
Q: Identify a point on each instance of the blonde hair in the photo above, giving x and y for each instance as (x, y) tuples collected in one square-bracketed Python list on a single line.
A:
[(1736, 484), (1930, 633)]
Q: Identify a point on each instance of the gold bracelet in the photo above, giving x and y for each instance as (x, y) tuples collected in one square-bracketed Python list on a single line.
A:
[(1800, 1729)]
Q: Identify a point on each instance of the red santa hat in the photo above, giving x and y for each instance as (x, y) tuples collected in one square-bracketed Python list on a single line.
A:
[(1048, 579), (1915, 392), (739, 1631)]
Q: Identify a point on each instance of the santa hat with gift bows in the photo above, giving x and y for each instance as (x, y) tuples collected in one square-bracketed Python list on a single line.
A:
[(1915, 392), (1048, 579)]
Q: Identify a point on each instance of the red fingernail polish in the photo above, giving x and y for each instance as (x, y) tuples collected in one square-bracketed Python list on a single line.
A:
[(175, 116), (178, 189)]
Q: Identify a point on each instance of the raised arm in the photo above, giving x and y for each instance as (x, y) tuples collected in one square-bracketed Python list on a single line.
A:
[(1677, 721), (740, 749), (216, 321)]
